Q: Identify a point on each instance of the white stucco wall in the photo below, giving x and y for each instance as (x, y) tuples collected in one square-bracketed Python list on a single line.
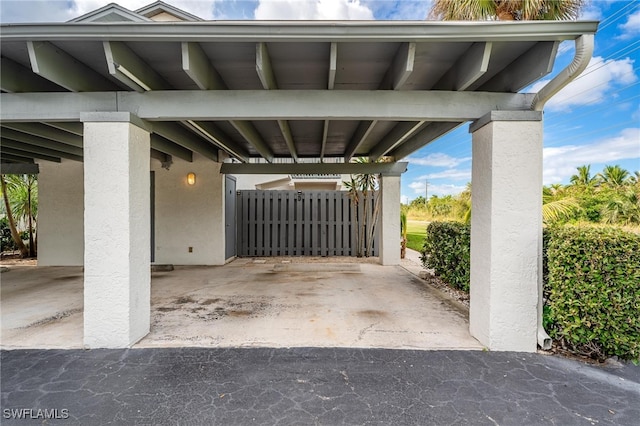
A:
[(505, 229), (60, 214), (390, 220), (117, 279), (189, 216), (185, 216)]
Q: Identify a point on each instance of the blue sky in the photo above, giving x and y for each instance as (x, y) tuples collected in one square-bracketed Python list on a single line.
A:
[(595, 120)]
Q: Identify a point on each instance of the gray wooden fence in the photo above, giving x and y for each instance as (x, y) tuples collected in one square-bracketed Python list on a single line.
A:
[(298, 223)]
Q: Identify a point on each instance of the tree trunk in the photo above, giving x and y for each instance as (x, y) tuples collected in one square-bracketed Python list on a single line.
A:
[(32, 248), (12, 223), (374, 221)]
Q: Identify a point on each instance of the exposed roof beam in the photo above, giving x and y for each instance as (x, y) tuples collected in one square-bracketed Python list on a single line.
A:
[(71, 127), (130, 69), (393, 169), (210, 131), (63, 69), (8, 143), (41, 142), (396, 136), (533, 65), (472, 65), (19, 169), (429, 133), (268, 79), (323, 31), (325, 137), (197, 66), (288, 138), (16, 78), (164, 145), (249, 132), (186, 139), (43, 131), (397, 75), (401, 68), (29, 154), (333, 67), (165, 159), (16, 158), (359, 136), (264, 68), (211, 105)]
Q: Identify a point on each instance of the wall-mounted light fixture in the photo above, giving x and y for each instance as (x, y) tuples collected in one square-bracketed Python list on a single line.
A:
[(191, 178)]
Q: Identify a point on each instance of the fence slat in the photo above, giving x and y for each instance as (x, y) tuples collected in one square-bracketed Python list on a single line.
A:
[(300, 223)]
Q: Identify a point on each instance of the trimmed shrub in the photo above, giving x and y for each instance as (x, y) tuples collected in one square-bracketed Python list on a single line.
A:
[(594, 290), (447, 250)]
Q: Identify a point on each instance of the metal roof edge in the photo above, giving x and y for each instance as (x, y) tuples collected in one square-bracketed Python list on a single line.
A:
[(420, 31)]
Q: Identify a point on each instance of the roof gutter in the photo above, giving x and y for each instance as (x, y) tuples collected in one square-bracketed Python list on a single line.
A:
[(584, 52)]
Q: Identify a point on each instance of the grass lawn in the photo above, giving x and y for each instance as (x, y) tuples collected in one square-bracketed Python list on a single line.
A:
[(416, 232)]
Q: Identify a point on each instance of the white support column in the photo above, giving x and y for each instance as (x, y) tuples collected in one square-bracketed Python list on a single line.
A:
[(505, 229), (390, 220), (117, 277)]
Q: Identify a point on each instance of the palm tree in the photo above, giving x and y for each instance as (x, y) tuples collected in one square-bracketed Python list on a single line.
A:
[(584, 178), (556, 205), (362, 189), (624, 208), (505, 10), (614, 176), (24, 252), (23, 194)]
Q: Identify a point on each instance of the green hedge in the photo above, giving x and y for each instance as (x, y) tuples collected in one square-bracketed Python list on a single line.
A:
[(592, 283), (447, 251), (593, 288)]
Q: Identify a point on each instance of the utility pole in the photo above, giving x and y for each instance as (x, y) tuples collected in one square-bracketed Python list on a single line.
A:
[(426, 191)]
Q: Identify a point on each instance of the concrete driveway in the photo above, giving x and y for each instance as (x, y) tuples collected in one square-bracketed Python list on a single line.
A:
[(249, 303)]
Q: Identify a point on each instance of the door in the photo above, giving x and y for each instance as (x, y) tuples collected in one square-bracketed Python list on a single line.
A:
[(230, 216)]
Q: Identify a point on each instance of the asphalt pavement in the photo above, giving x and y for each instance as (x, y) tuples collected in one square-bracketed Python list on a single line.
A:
[(312, 386)]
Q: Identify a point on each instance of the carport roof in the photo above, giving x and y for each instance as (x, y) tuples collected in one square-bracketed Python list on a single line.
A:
[(275, 91)]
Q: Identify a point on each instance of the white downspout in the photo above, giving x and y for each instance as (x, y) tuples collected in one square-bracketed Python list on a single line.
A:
[(584, 52), (581, 58)]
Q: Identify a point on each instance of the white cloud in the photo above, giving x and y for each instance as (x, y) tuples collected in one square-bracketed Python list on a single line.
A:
[(561, 162), (593, 86), (453, 174), (312, 9), (437, 159), (444, 189), (591, 12), (631, 27)]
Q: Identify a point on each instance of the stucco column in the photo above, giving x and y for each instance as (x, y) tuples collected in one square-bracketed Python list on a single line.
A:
[(390, 220), (506, 227), (117, 277)]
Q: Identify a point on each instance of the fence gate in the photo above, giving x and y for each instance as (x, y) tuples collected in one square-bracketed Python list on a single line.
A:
[(299, 223)]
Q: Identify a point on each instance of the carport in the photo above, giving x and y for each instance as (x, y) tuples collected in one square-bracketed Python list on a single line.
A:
[(268, 302), (97, 105)]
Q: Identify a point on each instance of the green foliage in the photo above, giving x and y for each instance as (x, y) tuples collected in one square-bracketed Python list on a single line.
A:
[(447, 250), (594, 290), (591, 276), (6, 242)]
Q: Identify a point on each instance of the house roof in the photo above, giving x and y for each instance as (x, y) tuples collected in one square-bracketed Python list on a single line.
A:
[(270, 90)]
